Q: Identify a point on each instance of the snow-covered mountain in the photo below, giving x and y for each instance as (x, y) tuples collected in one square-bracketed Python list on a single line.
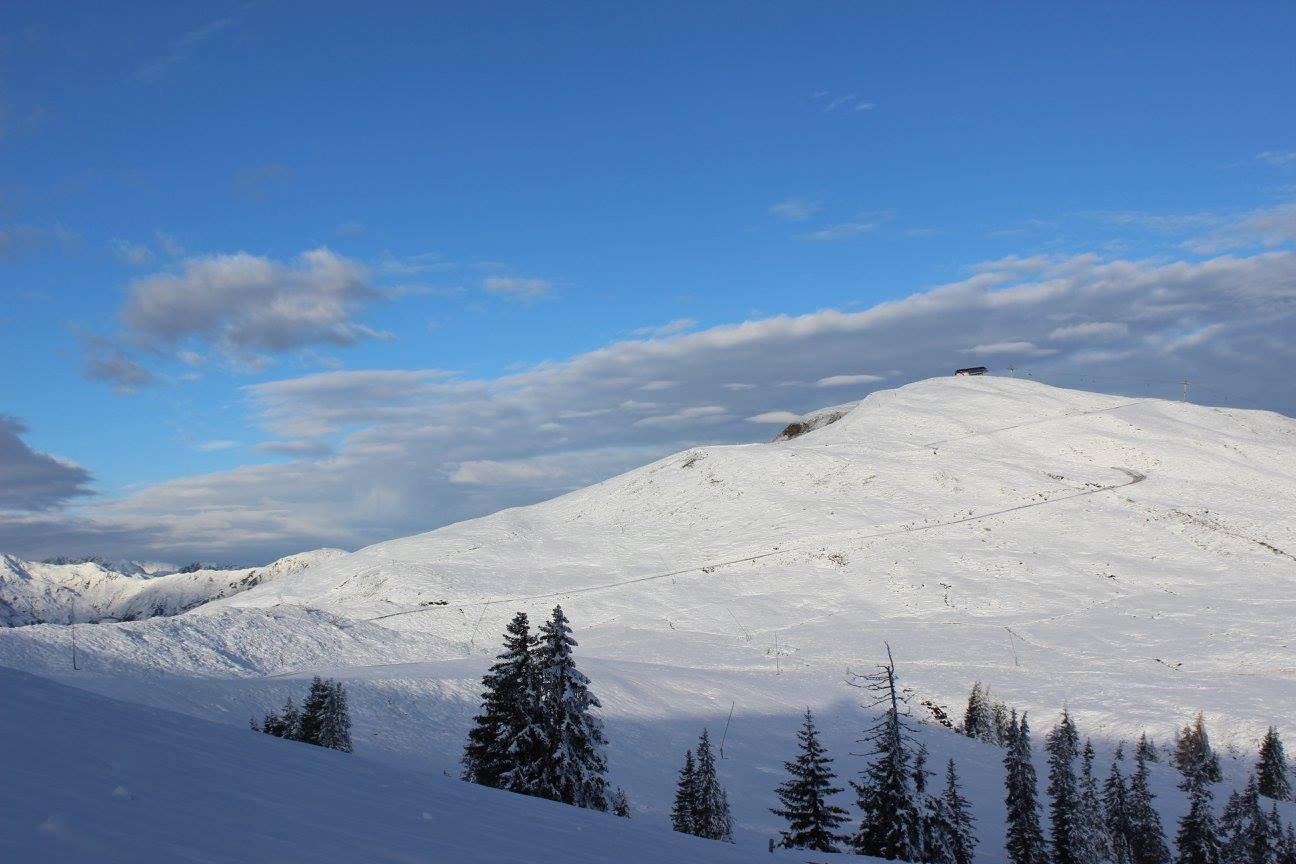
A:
[(1133, 559), (93, 591)]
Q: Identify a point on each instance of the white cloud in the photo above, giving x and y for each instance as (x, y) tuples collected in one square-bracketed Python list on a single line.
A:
[(134, 254), (1280, 158), (1091, 330), (516, 286), (1266, 229), (487, 472), (841, 231), (1017, 348), (794, 209), (368, 452), (781, 418), (845, 380), (670, 328)]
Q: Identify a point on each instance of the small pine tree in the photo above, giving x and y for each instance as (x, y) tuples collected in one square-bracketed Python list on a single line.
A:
[(507, 709), (620, 803), (685, 795), (1198, 835), (978, 719), (1120, 828), (574, 767), (1093, 831), (812, 818), (1271, 771), (312, 713), (335, 722), (1246, 833), (711, 817), (1062, 745), (1287, 849), (962, 837), (1025, 841), (1147, 837), (1147, 750), (290, 720), (1003, 732), (1193, 752), (272, 724), (890, 826)]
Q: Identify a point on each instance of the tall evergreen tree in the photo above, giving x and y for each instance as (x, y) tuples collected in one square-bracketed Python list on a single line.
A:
[(1025, 841), (1246, 835), (285, 723), (1120, 828), (1271, 771), (890, 825), (1001, 723), (682, 819), (1198, 835), (1147, 750), (620, 803), (812, 818), (1147, 837), (1062, 745), (1287, 849), (1193, 752), (1093, 831), (978, 719), (312, 713), (335, 719), (573, 768), (962, 837), (711, 817), (508, 707)]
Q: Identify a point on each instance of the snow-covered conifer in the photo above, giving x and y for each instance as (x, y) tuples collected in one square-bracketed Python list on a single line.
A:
[(1147, 750), (962, 837), (1116, 816), (978, 719), (890, 824), (1193, 752), (574, 764), (507, 708), (1025, 840), (1093, 831), (1271, 772), (1198, 834), (711, 817), (1147, 837), (812, 818), (685, 796), (1062, 746), (620, 803)]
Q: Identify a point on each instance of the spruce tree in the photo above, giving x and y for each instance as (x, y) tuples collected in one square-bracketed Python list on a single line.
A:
[(312, 713), (1271, 771), (890, 824), (685, 796), (1287, 849), (1147, 837), (573, 767), (1198, 835), (978, 719), (962, 837), (335, 721), (1093, 831), (1246, 833), (711, 817), (272, 724), (1193, 752), (1025, 840), (507, 708), (1147, 750), (1120, 828), (290, 721), (1062, 745), (812, 818), (620, 803), (1001, 717)]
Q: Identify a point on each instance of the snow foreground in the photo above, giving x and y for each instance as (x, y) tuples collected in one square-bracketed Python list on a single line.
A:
[(143, 785), (1132, 559)]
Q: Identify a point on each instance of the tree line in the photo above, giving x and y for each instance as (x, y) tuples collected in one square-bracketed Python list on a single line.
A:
[(323, 720)]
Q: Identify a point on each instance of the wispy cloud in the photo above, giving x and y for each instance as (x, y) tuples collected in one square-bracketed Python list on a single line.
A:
[(841, 231), (795, 209), (847, 380), (670, 328), (841, 102), (517, 287), (1267, 228), (184, 46)]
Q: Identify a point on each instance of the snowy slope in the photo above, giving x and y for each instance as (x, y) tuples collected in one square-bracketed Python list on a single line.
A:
[(94, 591), (142, 785), (1132, 559)]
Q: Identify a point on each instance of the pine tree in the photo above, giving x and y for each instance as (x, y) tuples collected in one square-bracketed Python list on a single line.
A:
[(1003, 732), (935, 827), (272, 724), (1271, 771), (1025, 841), (290, 720), (978, 719), (711, 817), (812, 818), (890, 825), (1093, 831), (685, 796), (620, 803), (1198, 835), (1193, 752), (1062, 744), (573, 768), (1287, 849), (335, 721), (1120, 828), (1246, 833), (962, 837), (506, 710), (1147, 837), (312, 713), (1147, 750)]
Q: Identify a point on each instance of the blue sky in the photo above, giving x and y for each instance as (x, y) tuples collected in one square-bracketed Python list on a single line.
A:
[(235, 240)]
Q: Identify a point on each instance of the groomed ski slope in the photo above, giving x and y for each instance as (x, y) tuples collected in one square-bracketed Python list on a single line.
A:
[(89, 779), (1131, 559)]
